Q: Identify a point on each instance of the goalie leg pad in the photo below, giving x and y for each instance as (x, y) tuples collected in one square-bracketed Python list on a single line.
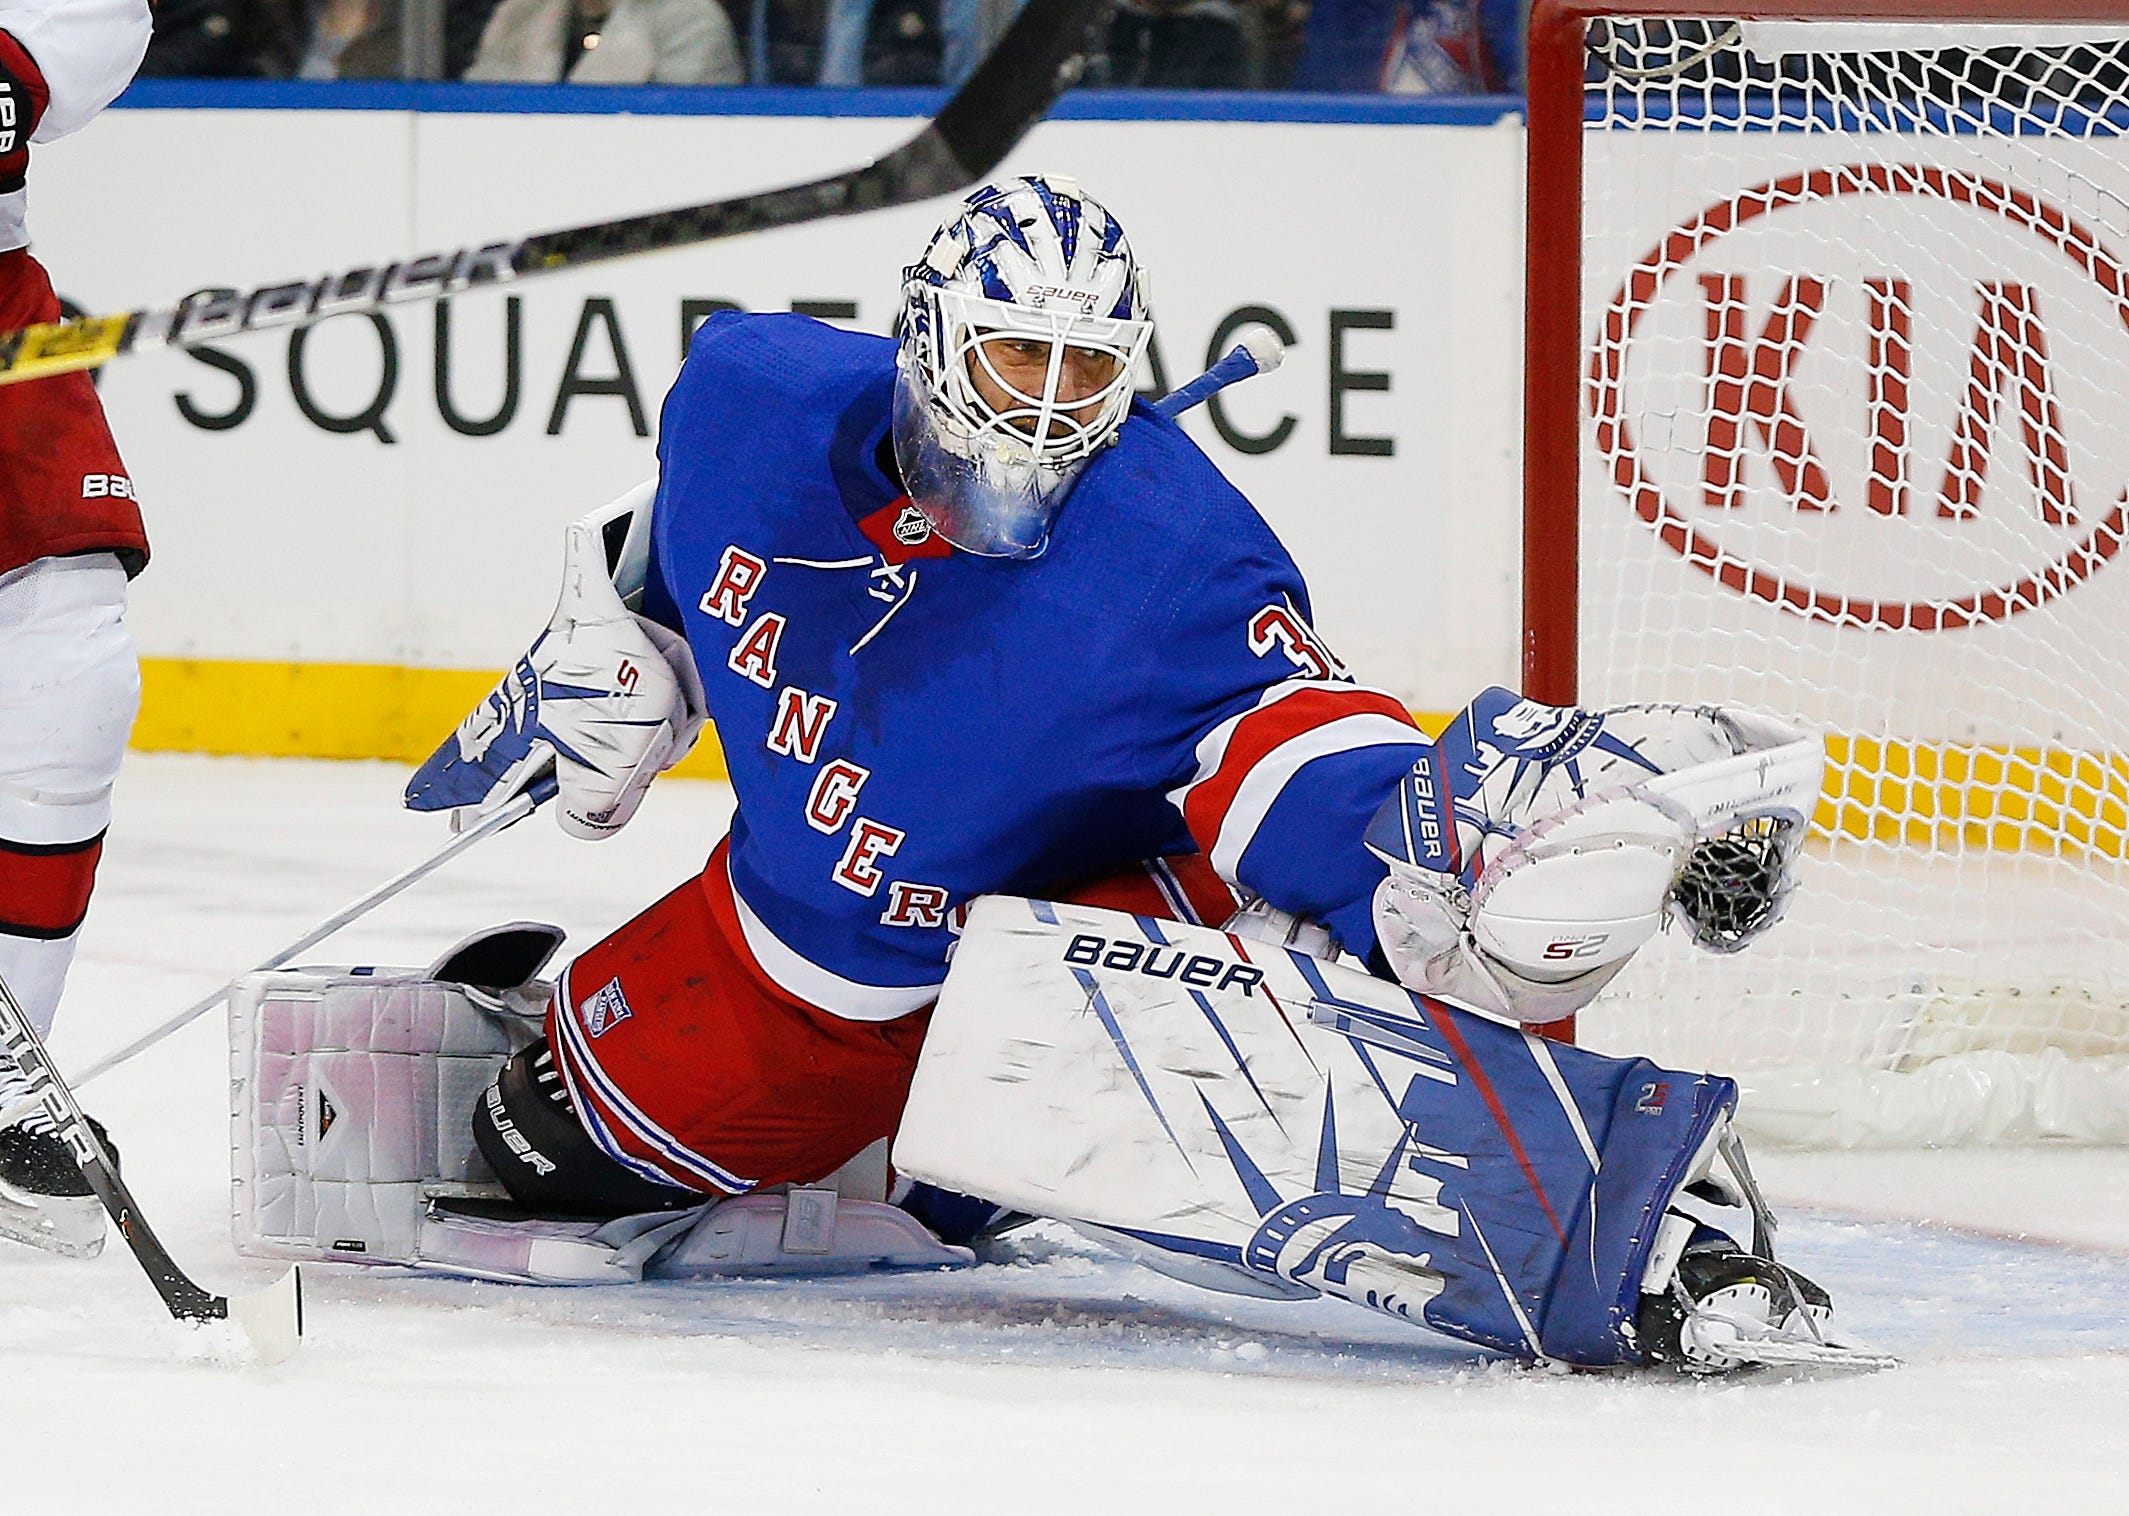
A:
[(803, 1232), (1302, 1123), (351, 1095)]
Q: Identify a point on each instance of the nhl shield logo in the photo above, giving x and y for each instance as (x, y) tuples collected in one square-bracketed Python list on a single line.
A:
[(912, 526), (606, 1010)]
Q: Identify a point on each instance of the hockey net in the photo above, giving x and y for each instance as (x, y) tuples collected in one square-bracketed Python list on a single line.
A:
[(1838, 417)]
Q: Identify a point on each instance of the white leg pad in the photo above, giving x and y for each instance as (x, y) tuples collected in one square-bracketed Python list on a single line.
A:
[(544, 1250), (804, 1231), (807, 1231), (351, 1102)]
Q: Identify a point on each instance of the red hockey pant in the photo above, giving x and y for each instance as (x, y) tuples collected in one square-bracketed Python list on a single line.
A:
[(690, 1066)]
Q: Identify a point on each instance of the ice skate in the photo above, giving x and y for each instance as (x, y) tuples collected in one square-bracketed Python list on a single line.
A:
[(1727, 1309), (44, 1200), (1712, 1306)]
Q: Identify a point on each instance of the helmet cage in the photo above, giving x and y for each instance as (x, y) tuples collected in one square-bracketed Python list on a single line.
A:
[(953, 330)]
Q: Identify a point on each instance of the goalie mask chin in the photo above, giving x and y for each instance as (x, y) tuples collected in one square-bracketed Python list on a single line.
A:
[(994, 498), (1022, 326)]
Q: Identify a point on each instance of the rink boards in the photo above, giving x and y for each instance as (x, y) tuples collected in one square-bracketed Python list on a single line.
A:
[(354, 525)]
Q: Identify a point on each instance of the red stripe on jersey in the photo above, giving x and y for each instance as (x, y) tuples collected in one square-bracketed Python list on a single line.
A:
[(44, 888), (1268, 727)]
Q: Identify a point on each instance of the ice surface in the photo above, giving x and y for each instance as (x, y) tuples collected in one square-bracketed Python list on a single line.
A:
[(1052, 1378)]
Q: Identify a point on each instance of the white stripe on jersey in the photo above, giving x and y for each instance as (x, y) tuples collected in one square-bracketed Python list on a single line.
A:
[(801, 976), (1212, 747), (1257, 794)]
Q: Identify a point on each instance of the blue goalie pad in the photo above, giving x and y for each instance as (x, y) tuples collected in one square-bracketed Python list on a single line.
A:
[(1234, 1105)]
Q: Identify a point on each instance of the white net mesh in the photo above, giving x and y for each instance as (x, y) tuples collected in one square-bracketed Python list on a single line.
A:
[(1856, 452)]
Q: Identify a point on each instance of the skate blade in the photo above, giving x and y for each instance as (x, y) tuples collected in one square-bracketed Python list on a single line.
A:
[(69, 1225), (1794, 1353), (1727, 1346), (272, 1319)]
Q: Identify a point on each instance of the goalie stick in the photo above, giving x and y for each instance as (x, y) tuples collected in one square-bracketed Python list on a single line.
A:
[(1257, 350), (509, 814), (1037, 58), (271, 1318)]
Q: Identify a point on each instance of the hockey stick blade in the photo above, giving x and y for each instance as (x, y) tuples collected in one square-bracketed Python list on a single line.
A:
[(272, 1319), (1037, 58)]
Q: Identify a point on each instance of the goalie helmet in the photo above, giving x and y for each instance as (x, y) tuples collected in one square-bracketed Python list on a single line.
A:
[(1021, 329)]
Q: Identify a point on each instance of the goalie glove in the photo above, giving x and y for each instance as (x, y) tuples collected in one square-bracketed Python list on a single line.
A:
[(605, 699), (1537, 847)]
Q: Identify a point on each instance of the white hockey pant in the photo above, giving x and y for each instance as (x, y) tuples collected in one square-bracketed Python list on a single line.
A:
[(69, 689)]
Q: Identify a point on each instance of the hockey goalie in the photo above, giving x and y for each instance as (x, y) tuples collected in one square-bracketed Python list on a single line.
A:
[(1068, 861)]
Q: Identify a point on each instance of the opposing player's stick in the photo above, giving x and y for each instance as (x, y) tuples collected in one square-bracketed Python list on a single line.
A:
[(1038, 57), (1257, 350), (271, 1318)]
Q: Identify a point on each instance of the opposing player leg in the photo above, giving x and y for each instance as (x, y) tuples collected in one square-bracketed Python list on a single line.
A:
[(70, 535), (69, 687)]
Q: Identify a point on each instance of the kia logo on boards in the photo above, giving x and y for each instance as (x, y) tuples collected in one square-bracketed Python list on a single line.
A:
[(1890, 394)]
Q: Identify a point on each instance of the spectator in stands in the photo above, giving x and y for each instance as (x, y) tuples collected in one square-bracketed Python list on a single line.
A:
[(883, 42), (877, 42), (1412, 47), (971, 29), (1279, 28), (608, 42), (1180, 44), (361, 39), (223, 39), (784, 41)]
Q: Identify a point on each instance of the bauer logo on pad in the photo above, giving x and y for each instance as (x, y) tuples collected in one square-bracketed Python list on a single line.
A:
[(605, 1010)]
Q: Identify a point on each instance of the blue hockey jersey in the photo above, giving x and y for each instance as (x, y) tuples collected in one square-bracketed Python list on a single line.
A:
[(908, 726)]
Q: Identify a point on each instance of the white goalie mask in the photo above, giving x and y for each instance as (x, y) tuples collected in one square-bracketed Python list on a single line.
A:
[(1022, 327)]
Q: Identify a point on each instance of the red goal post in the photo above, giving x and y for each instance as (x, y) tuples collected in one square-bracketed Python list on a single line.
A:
[(1831, 306)]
